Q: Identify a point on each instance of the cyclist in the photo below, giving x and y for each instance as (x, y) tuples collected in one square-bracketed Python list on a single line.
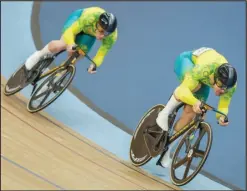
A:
[(82, 28), (198, 71)]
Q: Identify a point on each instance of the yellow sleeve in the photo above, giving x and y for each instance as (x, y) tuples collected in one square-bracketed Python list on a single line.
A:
[(184, 91), (70, 33), (225, 101), (106, 45), (99, 57)]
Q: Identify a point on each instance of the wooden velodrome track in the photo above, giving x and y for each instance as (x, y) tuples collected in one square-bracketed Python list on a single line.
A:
[(38, 152)]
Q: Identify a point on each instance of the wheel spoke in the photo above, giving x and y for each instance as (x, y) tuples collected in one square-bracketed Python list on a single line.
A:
[(41, 94), (61, 80), (187, 167), (201, 134), (156, 132), (199, 153), (187, 143), (49, 92), (51, 84), (181, 162), (57, 84)]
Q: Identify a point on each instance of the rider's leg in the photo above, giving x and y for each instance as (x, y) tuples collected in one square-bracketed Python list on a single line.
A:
[(51, 48), (162, 119), (182, 65), (186, 117)]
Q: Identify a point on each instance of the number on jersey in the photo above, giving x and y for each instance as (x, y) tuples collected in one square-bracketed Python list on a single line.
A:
[(200, 51)]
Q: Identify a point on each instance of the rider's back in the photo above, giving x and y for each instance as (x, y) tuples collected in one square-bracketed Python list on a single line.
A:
[(210, 56), (88, 19)]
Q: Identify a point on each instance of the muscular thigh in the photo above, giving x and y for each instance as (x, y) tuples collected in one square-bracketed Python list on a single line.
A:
[(187, 115), (188, 111)]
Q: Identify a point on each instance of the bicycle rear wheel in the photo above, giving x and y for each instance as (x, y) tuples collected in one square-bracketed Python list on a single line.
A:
[(139, 153), (22, 77), (57, 83)]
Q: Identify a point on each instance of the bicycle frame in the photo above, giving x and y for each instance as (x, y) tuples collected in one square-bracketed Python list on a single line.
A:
[(193, 124), (71, 60)]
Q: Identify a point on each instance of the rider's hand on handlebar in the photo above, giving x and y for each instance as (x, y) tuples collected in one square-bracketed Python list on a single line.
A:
[(91, 69), (196, 107), (221, 121)]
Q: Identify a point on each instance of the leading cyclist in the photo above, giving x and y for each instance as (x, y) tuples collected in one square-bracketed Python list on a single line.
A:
[(198, 71)]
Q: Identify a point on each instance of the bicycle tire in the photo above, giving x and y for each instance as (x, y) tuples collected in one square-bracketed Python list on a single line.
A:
[(9, 92), (73, 69), (135, 161), (178, 182), (42, 64)]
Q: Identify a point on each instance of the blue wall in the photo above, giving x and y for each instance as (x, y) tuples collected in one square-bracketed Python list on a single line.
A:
[(138, 72)]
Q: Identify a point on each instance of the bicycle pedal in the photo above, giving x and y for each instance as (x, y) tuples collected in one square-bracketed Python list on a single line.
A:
[(34, 87), (158, 163)]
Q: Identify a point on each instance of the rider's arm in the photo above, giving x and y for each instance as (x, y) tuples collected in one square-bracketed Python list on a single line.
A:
[(190, 83), (106, 45), (184, 91), (71, 32), (225, 101)]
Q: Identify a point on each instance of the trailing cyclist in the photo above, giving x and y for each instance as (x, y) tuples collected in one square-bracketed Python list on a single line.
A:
[(82, 28)]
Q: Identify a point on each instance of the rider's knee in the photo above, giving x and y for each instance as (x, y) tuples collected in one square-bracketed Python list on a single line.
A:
[(176, 97), (56, 46)]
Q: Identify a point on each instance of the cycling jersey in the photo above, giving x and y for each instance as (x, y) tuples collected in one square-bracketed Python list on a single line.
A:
[(205, 61)]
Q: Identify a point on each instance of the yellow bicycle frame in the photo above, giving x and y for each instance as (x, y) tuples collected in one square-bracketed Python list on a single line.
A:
[(61, 65)]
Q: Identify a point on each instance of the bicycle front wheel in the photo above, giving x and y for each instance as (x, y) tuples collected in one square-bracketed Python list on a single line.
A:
[(55, 84), (196, 145)]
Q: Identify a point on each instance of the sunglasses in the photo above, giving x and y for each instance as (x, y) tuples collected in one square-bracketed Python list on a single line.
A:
[(220, 84), (101, 30)]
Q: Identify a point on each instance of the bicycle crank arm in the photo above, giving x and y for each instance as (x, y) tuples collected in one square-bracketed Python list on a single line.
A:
[(161, 156), (34, 88), (162, 136)]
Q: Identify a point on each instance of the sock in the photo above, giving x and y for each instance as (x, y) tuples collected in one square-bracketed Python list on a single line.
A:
[(162, 119), (34, 58)]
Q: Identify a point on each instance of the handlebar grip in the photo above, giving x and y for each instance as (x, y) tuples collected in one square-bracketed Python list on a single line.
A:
[(94, 68)]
